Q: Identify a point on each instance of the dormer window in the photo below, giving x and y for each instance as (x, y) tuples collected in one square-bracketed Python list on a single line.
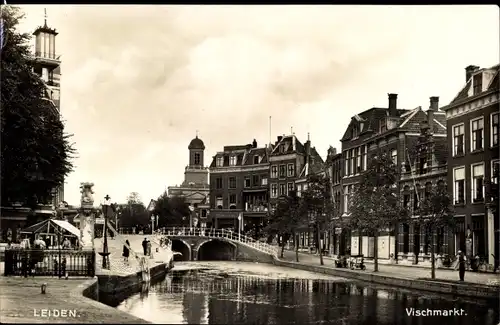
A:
[(282, 148), (477, 83), (355, 132), (383, 125), (256, 159), (219, 162), (232, 161)]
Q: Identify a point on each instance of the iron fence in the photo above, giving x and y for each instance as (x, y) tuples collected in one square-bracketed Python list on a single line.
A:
[(49, 262)]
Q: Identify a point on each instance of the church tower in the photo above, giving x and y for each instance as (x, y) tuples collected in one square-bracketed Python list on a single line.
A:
[(195, 172), (47, 65)]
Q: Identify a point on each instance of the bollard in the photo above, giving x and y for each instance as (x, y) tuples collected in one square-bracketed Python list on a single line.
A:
[(44, 288)]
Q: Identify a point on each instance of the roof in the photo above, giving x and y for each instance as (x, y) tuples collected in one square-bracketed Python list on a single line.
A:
[(288, 144), (246, 155), (196, 143), (47, 224), (493, 85)]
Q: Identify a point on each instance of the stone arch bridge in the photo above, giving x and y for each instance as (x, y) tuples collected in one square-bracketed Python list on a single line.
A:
[(216, 245)]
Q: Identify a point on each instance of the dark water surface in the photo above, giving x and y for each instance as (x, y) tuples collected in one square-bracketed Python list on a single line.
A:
[(262, 294)]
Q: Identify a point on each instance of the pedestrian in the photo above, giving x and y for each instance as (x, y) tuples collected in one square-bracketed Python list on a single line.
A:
[(149, 248), (126, 251), (145, 246), (461, 265)]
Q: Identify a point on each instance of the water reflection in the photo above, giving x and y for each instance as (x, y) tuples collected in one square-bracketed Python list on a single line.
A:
[(200, 297)]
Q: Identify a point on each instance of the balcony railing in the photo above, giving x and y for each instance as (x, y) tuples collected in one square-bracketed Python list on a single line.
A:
[(256, 208), (196, 167), (46, 55)]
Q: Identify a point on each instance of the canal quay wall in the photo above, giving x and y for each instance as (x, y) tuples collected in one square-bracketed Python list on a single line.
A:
[(444, 287)]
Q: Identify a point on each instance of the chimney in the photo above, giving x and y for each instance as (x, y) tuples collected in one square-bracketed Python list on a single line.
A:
[(393, 104), (254, 143), (469, 71), (434, 106)]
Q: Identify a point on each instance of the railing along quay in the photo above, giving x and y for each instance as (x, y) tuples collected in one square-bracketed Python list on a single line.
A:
[(219, 233)]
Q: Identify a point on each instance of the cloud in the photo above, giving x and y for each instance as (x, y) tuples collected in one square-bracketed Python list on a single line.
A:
[(138, 81)]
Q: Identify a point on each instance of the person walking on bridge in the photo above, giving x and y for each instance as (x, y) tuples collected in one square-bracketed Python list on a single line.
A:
[(145, 246), (126, 251)]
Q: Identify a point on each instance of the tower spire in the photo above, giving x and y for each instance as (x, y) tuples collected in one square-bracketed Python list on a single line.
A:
[(45, 17), (196, 133)]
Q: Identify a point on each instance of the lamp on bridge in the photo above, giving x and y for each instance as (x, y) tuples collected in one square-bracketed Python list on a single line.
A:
[(106, 207)]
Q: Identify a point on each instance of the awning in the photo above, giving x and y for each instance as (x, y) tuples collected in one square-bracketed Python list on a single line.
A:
[(67, 226), (45, 226)]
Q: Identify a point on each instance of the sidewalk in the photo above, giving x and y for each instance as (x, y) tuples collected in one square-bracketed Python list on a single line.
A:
[(21, 301), (391, 270)]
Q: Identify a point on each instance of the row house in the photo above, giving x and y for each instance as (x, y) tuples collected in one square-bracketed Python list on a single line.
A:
[(313, 165), (392, 130), (339, 240), (424, 167), (239, 187), (287, 163), (472, 118)]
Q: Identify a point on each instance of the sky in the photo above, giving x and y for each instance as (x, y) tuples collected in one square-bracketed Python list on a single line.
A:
[(138, 82)]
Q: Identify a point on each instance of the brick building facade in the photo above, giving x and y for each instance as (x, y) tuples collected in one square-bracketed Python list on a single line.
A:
[(472, 119), (239, 187)]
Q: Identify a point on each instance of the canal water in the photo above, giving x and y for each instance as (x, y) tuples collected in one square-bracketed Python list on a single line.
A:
[(252, 293)]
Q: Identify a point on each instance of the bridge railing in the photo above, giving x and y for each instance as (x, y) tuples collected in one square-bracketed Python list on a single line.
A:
[(220, 233)]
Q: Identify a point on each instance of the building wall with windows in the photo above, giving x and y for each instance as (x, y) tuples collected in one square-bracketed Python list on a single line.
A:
[(472, 120), (239, 187), (395, 131)]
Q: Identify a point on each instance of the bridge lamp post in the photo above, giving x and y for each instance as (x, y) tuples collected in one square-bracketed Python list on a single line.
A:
[(239, 227), (105, 252)]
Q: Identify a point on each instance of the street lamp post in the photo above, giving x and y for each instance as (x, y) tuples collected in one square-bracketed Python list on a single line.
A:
[(239, 227), (105, 252)]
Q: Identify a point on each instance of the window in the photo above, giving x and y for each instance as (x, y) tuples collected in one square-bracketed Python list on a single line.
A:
[(232, 182), (394, 156), (406, 197), (274, 190), (352, 159), (365, 154), (232, 199), (346, 199), (459, 185), (495, 168), (219, 162), (45, 74), (478, 183), (494, 129), (299, 190), (477, 133), (218, 183), (282, 148), (197, 158), (428, 189), (232, 161), (416, 199), (358, 159), (263, 181), (458, 140), (422, 166), (291, 170), (346, 160), (247, 182), (274, 171), (290, 188), (255, 180), (255, 160), (282, 189), (355, 132), (383, 125), (282, 171), (219, 202), (477, 83)]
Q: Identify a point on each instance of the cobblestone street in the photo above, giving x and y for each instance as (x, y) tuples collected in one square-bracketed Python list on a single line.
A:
[(21, 301)]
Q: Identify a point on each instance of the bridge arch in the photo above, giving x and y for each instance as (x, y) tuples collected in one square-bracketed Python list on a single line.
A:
[(181, 246), (216, 250)]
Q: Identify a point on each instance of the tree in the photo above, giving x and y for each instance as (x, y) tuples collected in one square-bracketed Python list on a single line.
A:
[(374, 204), (134, 198), (171, 211), (35, 152), (285, 219), (435, 213), (319, 206)]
